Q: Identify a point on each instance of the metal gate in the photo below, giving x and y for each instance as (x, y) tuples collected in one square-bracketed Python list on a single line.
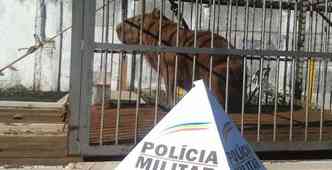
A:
[(266, 61)]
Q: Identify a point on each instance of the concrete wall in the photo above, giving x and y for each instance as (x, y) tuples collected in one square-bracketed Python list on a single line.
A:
[(18, 18)]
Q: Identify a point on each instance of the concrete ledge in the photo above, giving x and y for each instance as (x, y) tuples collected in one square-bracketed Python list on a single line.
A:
[(41, 105), (32, 129)]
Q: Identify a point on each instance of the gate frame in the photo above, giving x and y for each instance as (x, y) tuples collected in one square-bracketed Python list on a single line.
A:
[(82, 52)]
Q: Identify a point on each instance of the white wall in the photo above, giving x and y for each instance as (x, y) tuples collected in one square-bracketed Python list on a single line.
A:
[(17, 28)]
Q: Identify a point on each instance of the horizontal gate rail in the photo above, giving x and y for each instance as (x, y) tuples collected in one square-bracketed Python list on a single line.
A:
[(210, 51)]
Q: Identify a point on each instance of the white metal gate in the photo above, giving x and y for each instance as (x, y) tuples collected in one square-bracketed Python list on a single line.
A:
[(267, 62)]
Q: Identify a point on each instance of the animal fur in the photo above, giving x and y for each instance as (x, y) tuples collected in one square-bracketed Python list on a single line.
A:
[(130, 34)]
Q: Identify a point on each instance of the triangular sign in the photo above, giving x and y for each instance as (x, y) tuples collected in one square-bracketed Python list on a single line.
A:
[(195, 135)]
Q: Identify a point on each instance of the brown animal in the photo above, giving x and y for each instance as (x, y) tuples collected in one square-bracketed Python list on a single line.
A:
[(128, 32)]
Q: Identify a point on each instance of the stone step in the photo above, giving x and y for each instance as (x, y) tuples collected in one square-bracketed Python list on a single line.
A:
[(20, 147), (32, 129)]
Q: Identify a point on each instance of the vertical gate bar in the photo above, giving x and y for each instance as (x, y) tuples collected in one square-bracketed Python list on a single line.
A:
[(112, 41), (151, 69), (191, 15), (117, 123), (105, 74), (132, 83), (120, 78), (320, 62), (158, 67), (195, 41), (269, 47), (310, 43), (60, 47), (245, 40), (294, 33), (293, 69), (328, 34), (86, 79), (310, 61), (133, 64), (75, 76), (218, 18), (270, 27), (118, 101), (322, 110), (322, 105), (321, 124), (292, 100), (252, 44), (259, 98), (200, 14), (102, 34), (236, 20), (276, 85), (138, 97), (287, 48), (328, 46), (315, 34), (212, 42), (276, 101), (261, 73), (229, 32), (210, 15), (150, 81), (227, 18), (307, 103), (305, 49), (111, 66), (180, 5), (132, 76)]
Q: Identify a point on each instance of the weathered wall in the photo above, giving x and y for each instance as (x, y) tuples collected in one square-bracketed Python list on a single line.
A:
[(18, 18)]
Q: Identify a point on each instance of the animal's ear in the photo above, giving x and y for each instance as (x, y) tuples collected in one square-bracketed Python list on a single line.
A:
[(156, 13)]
